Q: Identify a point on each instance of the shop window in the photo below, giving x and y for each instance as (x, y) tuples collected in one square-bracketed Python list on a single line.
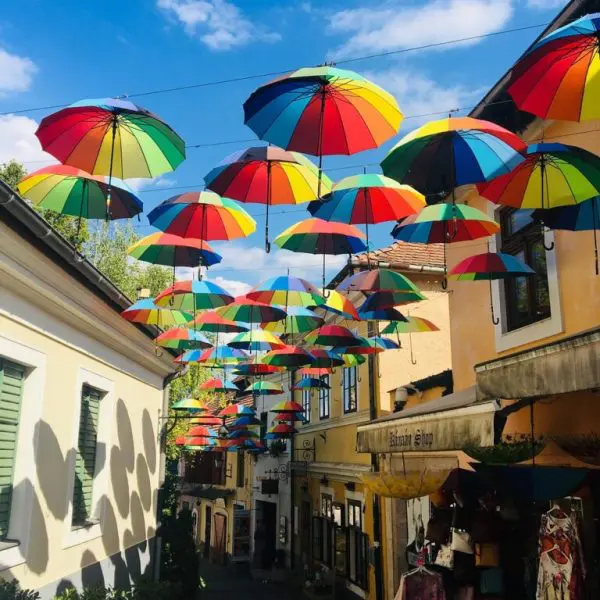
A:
[(324, 399), (349, 389), (357, 549), (527, 299), (306, 404), (322, 530), (355, 514)]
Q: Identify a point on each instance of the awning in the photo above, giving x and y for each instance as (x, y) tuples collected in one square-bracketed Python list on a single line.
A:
[(448, 423), (569, 365)]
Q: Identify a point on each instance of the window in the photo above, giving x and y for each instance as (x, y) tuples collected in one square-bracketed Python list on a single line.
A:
[(85, 461), (349, 389), (527, 299), (357, 545), (241, 477), (323, 531), (327, 506), (355, 514), (324, 399), (12, 379), (306, 404)]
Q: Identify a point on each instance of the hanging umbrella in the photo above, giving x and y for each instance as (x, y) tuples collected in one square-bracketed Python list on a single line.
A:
[(289, 417), (257, 340), (315, 236), (378, 280), (557, 78), (410, 326), (310, 383), (212, 322), (325, 358), (340, 305), (383, 343), (237, 410), (385, 300), (286, 406), (180, 440), (281, 430), (298, 320), (267, 175), (256, 368), (208, 420), (244, 422), (442, 155), (286, 291), (193, 295), (145, 311), (180, 338), (201, 431), (203, 215), (244, 444), (193, 443), (219, 356), (246, 434), (382, 314), (314, 371), (219, 385), (290, 357), (112, 137), (249, 311), (365, 349), (265, 388), (367, 200), (192, 405), (352, 360), (174, 251), (331, 335)]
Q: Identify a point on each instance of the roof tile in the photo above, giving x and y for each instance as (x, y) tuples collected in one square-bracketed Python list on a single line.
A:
[(406, 253)]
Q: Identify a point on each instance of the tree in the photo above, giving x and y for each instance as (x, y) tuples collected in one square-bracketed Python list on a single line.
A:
[(69, 227)]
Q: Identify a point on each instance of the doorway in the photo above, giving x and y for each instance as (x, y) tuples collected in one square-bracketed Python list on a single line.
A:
[(220, 549), (266, 513), (207, 531)]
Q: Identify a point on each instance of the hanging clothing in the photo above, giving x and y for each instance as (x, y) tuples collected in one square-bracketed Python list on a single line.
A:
[(560, 571), (421, 585)]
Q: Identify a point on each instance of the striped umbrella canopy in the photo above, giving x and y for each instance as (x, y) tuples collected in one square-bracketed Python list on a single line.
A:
[(193, 443), (353, 360), (557, 79), (180, 440), (180, 338), (298, 320), (212, 322), (331, 335), (489, 265), (192, 405), (281, 429), (378, 280), (382, 314), (442, 155), (325, 358), (145, 311), (245, 444), (71, 191), (201, 431), (340, 305), (193, 295), (256, 368), (237, 410), (203, 215), (287, 291), (322, 111), (383, 343), (309, 383), (257, 340), (314, 371), (174, 251), (243, 422), (289, 357), (289, 417), (208, 420), (551, 175), (411, 325), (243, 433), (364, 349), (218, 385), (250, 311), (265, 388), (385, 300), (218, 356)]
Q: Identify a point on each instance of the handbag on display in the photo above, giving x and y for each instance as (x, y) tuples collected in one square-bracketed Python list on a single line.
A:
[(445, 557), (487, 555), (438, 527), (462, 542)]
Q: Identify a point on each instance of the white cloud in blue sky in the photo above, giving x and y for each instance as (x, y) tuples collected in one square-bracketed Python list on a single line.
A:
[(16, 72)]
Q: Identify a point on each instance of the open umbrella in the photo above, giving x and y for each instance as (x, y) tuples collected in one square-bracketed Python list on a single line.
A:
[(218, 386), (208, 420), (174, 251), (558, 77), (314, 371), (191, 405), (410, 326), (281, 430), (378, 280), (340, 305), (246, 434), (267, 175), (382, 314), (203, 215), (298, 320), (286, 291), (352, 360), (145, 311), (112, 137), (309, 383), (256, 368), (193, 295), (250, 311), (257, 340), (383, 343), (290, 357), (201, 431), (325, 358), (237, 410), (331, 335), (378, 301), (214, 323), (442, 155), (265, 388), (286, 406), (219, 356), (181, 338), (243, 422)]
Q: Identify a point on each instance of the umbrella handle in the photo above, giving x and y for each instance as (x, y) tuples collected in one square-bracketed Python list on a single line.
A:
[(445, 283), (158, 350), (412, 358)]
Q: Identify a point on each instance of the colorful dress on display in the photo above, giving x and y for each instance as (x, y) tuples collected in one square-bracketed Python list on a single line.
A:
[(561, 570), (421, 585)]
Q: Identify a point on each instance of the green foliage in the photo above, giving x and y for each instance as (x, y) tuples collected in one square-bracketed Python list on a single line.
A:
[(513, 449), (9, 590), (143, 589), (76, 234)]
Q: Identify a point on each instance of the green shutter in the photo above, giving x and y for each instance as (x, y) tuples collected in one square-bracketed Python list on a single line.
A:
[(85, 464), (12, 378)]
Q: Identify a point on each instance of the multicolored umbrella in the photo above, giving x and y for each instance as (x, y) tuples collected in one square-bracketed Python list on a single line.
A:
[(201, 431), (71, 191), (192, 405), (219, 356), (113, 137), (267, 175), (310, 383), (193, 443), (192, 295), (325, 358), (256, 368), (145, 311), (353, 360), (384, 300), (289, 417), (214, 323), (339, 304), (244, 422), (256, 340), (332, 335), (286, 291), (281, 430), (298, 320), (264, 388), (246, 434), (286, 406), (383, 343), (364, 349), (323, 111), (382, 314), (557, 78), (290, 357), (442, 155), (411, 325), (244, 444), (219, 386), (551, 175), (249, 311), (174, 251), (208, 419), (203, 215), (180, 338), (237, 410), (314, 371), (378, 280)]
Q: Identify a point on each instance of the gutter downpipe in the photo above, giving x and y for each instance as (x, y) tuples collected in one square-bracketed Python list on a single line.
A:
[(292, 492)]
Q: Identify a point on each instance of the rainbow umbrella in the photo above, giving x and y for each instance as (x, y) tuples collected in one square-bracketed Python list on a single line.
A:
[(309, 383), (201, 431), (193, 443), (249, 311), (180, 440), (174, 251), (281, 430), (214, 323), (287, 291), (145, 311), (245, 444), (314, 371), (237, 410), (180, 338), (267, 175), (340, 305), (298, 320), (332, 335), (442, 155), (208, 419), (256, 368), (383, 343), (257, 340), (365, 349), (218, 386), (381, 314), (218, 356), (265, 388), (243, 422), (246, 434), (193, 295), (557, 77), (410, 326), (286, 406), (378, 280), (325, 358), (352, 360), (203, 215), (289, 417), (113, 137), (192, 405), (290, 357), (385, 300)]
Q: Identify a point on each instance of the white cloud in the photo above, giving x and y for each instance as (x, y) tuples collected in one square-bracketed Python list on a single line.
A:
[(233, 286), (218, 24), (419, 95), (16, 72), (137, 184), (546, 4), (18, 142), (395, 26)]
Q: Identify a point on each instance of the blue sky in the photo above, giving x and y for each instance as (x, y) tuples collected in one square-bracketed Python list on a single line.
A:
[(61, 51)]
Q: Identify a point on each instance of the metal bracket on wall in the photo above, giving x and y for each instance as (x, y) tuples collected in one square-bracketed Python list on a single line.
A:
[(307, 452)]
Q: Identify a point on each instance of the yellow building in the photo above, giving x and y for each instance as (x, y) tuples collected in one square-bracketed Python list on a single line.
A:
[(81, 394)]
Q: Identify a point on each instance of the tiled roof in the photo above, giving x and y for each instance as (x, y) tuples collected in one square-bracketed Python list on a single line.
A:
[(405, 253)]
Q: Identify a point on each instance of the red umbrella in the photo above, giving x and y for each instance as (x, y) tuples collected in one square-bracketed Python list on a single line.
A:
[(290, 357), (331, 335)]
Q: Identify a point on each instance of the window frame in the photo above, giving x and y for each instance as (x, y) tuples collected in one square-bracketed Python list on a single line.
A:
[(306, 403), (325, 399), (349, 385), (241, 469)]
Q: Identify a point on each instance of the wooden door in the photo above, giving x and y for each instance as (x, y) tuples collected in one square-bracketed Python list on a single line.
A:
[(220, 547)]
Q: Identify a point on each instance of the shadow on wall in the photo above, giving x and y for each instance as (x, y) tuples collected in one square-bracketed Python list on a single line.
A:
[(125, 434), (150, 441), (120, 481)]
